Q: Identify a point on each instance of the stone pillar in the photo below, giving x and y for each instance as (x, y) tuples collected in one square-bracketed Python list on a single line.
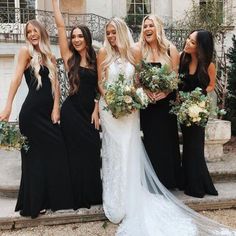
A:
[(218, 132)]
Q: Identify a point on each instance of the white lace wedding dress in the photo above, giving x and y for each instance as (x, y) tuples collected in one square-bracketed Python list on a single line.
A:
[(132, 194)]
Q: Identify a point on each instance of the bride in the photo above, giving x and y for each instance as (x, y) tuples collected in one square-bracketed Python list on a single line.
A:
[(132, 193)]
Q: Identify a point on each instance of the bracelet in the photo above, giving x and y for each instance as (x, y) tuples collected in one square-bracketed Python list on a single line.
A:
[(95, 100)]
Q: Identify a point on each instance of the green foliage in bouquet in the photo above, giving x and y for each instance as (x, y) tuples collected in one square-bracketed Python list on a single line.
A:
[(123, 98), (192, 108), (156, 79), (11, 138)]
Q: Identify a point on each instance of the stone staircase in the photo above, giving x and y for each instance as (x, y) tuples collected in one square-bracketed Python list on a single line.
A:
[(223, 173)]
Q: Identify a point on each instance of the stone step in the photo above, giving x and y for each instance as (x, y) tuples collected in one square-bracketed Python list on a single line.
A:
[(10, 171), (225, 169), (11, 220)]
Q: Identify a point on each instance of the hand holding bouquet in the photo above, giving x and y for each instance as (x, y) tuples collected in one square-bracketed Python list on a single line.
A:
[(11, 138), (123, 98), (157, 79), (193, 108)]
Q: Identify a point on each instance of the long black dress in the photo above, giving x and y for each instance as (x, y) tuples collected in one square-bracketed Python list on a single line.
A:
[(45, 182), (197, 180), (161, 140), (83, 141)]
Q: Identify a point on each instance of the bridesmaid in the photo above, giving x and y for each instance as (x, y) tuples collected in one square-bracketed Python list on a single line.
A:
[(159, 127), (79, 113), (45, 182), (198, 71)]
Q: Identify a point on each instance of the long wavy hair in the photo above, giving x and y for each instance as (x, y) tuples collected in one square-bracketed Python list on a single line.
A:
[(43, 55), (205, 50), (124, 42), (163, 43), (75, 59)]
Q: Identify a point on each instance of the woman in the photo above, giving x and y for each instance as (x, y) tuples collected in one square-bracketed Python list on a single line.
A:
[(79, 113), (159, 127), (45, 182), (132, 194), (197, 70), (113, 59)]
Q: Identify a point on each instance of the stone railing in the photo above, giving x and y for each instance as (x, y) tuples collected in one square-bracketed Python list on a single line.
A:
[(12, 23)]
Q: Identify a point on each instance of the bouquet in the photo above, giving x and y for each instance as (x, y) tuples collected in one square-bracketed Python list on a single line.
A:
[(123, 98), (157, 79), (193, 108), (11, 138)]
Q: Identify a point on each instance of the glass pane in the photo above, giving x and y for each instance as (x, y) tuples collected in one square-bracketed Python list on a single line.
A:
[(136, 10), (7, 11), (131, 9), (27, 10), (139, 9)]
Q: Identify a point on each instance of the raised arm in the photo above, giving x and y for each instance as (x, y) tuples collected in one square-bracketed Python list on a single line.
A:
[(100, 59), (22, 62), (63, 43)]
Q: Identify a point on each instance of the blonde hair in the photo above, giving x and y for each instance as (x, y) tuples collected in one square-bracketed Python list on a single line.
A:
[(44, 53), (124, 41), (163, 43)]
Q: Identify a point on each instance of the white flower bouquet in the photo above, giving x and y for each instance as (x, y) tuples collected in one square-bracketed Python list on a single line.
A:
[(192, 108), (156, 79), (123, 98)]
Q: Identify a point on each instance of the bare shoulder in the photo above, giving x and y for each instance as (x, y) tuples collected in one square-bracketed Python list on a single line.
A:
[(24, 52), (173, 49), (24, 57), (136, 47), (137, 52), (102, 53)]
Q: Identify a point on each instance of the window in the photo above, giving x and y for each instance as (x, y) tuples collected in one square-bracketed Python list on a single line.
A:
[(10, 14), (7, 14), (27, 10), (212, 10), (136, 10)]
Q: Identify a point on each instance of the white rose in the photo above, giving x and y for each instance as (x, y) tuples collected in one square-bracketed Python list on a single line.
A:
[(128, 99), (194, 111), (196, 119), (142, 95), (202, 104), (127, 88)]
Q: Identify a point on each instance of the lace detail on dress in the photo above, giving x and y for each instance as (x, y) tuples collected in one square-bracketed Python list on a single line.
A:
[(132, 192)]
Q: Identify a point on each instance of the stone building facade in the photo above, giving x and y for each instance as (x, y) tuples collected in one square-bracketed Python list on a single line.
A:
[(95, 12)]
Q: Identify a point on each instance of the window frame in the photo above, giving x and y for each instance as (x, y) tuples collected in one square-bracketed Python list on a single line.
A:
[(136, 10)]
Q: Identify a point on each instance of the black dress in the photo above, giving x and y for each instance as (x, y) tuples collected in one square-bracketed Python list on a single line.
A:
[(197, 180), (83, 141), (45, 182), (161, 140)]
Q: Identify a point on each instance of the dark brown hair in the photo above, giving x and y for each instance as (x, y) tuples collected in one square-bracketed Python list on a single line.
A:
[(205, 49), (75, 59)]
